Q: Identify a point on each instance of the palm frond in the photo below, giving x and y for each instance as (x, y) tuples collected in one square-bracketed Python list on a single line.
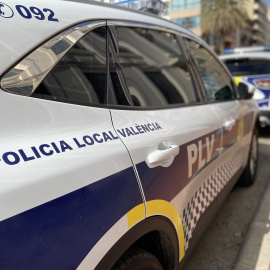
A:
[(221, 16)]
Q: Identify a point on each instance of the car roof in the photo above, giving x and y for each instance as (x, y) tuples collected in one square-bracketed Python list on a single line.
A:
[(20, 36), (252, 55)]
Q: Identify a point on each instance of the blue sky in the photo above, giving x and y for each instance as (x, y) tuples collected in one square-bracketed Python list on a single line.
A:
[(267, 2)]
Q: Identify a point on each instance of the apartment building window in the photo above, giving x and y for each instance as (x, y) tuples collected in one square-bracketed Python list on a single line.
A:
[(185, 4), (189, 22)]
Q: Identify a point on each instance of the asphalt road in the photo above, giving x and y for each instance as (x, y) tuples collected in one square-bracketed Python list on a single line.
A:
[(221, 243)]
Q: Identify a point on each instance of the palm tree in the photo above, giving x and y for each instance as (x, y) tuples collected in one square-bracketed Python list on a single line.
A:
[(219, 17)]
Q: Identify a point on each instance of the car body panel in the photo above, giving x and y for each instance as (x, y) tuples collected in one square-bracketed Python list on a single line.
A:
[(51, 177), (76, 178)]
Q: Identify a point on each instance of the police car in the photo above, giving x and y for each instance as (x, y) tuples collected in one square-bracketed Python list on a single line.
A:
[(252, 65), (121, 134)]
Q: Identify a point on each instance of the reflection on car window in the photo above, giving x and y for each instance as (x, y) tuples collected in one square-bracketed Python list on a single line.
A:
[(217, 82), (154, 68), (80, 76)]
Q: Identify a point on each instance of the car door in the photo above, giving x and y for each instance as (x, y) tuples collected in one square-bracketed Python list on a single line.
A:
[(173, 139), (67, 180), (236, 120)]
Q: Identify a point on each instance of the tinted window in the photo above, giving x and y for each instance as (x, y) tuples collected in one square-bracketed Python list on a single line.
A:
[(217, 82), (246, 66), (154, 68), (80, 76)]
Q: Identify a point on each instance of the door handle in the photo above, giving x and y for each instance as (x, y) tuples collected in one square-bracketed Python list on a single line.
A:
[(228, 124), (162, 158)]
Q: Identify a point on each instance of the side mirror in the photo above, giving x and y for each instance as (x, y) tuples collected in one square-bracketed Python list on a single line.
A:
[(246, 90)]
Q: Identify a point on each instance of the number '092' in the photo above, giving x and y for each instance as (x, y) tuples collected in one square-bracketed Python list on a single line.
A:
[(36, 12)]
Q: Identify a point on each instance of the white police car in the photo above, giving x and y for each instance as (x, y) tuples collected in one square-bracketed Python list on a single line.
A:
[(121, 134), (252, 65)]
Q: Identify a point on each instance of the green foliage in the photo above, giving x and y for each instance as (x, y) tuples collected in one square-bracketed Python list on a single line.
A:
[(221, 16)]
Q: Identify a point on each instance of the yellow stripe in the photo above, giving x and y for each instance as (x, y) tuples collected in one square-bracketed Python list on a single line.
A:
[(135, 215), (164, 208), (237, 80)]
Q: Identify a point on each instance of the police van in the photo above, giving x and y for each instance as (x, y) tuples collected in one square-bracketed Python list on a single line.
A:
[(121, 134), (252, 65)]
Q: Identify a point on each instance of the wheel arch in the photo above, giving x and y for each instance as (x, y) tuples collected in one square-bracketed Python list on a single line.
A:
[(155, 234)]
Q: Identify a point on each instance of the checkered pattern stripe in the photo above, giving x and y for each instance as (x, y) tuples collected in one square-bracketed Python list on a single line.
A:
[(208, 191)]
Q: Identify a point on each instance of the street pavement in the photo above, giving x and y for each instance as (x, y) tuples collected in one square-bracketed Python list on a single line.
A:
[(255, 252)]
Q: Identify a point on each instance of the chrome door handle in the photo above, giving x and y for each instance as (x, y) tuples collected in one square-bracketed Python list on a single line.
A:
[(162, 158), (228, 124)]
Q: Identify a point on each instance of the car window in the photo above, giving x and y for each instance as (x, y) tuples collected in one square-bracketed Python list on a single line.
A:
[(217, 82), (154, 68), (247, 66), (80, 76)]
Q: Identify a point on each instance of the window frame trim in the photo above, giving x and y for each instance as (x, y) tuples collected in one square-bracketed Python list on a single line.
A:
[(199, 78)]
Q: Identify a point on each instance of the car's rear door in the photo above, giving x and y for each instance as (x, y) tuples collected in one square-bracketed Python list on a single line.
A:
[(236, 120), (173, 139)]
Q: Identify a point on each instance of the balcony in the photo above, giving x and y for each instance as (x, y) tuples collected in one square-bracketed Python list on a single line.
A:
[(259, 39)]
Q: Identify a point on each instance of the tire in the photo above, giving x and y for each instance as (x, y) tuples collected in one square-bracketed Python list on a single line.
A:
[(249, 175), (137, 259)]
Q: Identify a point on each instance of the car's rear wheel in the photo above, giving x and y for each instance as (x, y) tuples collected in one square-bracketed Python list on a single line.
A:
[(137, 259), (249, 174)]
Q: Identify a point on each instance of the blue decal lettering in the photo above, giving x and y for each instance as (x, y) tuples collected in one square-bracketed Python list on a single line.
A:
[(88, 140), (23, 155), (24, 12), (55, 148), (51, 15), (7, 159), (106, 136), (2, 12), (158, 126), (65, 146), (6, 11), (36, 152), (95, 138), (115, 138), (136, 133), (41, 149), (129, 132), (78, 144), (122, 133), (139, 129), (149, 126), (39, 14), (145, 128)]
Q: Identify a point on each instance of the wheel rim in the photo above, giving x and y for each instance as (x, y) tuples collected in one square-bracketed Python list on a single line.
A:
[(253, 155)]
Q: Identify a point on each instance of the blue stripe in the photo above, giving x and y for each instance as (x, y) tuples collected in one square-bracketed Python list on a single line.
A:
[(165, 183), (60, 233)]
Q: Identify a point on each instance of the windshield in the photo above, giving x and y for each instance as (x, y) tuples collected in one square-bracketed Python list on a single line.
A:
[(247, 66)]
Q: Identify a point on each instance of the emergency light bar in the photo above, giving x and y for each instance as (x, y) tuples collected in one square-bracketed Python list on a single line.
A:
[(244, 50), (153, 6)]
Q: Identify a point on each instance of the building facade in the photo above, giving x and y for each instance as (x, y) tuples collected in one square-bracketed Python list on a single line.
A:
[(188, 14)]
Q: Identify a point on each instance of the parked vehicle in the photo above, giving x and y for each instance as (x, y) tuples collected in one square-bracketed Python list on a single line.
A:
[(121, 134), (252, 65)]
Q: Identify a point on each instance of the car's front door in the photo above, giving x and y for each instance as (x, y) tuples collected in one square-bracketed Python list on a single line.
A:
[(173, 138), (235, 119)]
